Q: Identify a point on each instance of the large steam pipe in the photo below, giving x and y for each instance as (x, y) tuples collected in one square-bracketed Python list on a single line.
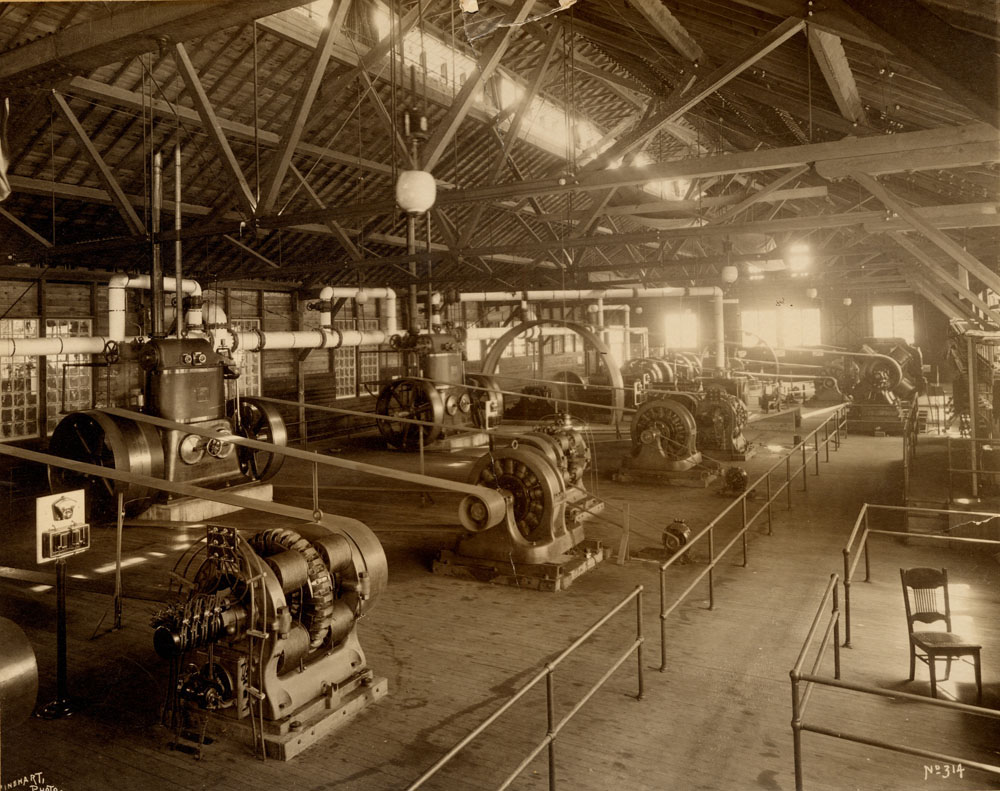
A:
[(617, 293), (96, 344), (360, 296), (178, 268)]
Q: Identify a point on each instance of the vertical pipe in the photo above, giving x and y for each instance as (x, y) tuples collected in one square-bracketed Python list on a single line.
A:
[(411, 249), (178, 268), (720, 333), (156, 273), (430, 278)]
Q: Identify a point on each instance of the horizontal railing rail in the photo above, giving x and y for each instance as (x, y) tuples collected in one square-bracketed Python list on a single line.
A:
[(837, 421), (554, 726)]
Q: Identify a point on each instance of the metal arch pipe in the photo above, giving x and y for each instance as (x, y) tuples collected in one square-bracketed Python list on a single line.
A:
[(492, 358)]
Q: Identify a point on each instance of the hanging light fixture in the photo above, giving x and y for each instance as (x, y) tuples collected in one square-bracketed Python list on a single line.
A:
[(469, 6), (416, 191), (848, 302), (730, 274), (812, 293)]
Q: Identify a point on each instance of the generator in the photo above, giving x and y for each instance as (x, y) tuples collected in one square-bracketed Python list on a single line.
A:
[(436, 390), (184, 381), (664, 445), (541, 544), (262, 635)]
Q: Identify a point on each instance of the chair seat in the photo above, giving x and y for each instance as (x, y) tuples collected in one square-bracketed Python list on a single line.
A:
[(943, 641)]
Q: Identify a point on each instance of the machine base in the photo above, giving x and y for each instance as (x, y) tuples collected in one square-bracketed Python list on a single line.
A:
[(694, 478), (783, 420), (458, 441), (732, 455), (190, 509), (874, 419), (283, 741), (555, 576)]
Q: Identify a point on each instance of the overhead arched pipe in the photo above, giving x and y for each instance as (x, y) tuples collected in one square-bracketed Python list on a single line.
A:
[(492, 358)]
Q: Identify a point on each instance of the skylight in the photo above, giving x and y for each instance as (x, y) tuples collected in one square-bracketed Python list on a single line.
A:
[(547, 124)]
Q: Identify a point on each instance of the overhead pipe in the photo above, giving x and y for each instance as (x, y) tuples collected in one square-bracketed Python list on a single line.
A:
[(157, 263), (617, 293)]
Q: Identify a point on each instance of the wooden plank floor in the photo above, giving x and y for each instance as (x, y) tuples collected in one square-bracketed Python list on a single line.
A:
[(453, 651)]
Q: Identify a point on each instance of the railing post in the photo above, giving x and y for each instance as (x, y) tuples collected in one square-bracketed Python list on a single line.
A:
[(805, 468), (744, 504), (864, 538), (711, 568), (788, 479), (816, 445), (663, 620), (951, 475), (796, 730), (640, 639), (847, 597), (826, 440), (836, 633), (317, 513), (770, 530), (550, 702)]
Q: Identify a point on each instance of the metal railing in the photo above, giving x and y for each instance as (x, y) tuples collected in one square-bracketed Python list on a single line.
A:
[(856, 547), (831, 431), (977, 446), (554, 726), (800, 699)]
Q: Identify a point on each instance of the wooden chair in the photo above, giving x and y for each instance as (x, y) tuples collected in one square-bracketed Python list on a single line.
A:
[(925, 592)]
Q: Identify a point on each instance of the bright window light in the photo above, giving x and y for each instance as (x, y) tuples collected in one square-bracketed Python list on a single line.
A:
[(893, 321), (798, 257), (680, 329), (786, 326)]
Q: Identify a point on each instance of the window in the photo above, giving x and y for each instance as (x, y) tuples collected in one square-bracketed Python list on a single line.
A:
[(680, 330), (18, 384), (248, 362), (787, 326), (68, 382), (893, 321), (354, 368)]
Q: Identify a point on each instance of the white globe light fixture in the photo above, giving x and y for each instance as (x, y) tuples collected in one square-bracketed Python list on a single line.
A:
[(730, 273), (812, 293), (848, 301), (416, 191)]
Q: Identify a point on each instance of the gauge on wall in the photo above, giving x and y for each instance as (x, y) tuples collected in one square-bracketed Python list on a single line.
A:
[(465, 402), (451, 405)]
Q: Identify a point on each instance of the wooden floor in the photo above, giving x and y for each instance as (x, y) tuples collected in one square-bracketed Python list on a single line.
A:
[(453, 651)]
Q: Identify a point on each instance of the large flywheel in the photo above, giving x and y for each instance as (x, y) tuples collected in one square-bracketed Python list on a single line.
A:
[(414, 399), (665, 422), (107, 441), (532, 482), (260, 421)]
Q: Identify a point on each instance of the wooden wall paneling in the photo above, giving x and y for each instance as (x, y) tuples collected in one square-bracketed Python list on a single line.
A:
[(18, 300)]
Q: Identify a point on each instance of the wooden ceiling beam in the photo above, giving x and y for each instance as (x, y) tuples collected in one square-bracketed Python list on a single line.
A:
[(666, 24), (342, 236), (120, 97), (953, 249), (122, 32), (962, 64), (295, 124), (25, 229), (511, 136), (244, 195), (681, 101), (939, 273), (829, 53), (937, 299), (485, 67), (135, 225)]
